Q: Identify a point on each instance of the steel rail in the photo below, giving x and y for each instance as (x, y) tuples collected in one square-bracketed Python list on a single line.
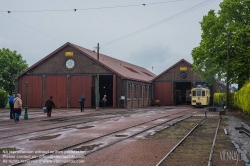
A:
[(73, 118), (246, 132), (179, 142), (55, 127), (77, 144), (63, 125), (185, 117), (50, 131), (70, 118), (212, 148)]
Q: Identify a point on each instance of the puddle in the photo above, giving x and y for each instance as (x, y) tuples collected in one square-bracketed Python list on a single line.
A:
[(46, 137), (7, 150), (85, 127), (88, 148), (121, 135)]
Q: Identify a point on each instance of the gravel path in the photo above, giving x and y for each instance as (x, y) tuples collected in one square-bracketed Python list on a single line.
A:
[(240, 140)]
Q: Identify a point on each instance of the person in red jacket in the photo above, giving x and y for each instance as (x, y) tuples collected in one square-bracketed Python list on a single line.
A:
[(49, 104)]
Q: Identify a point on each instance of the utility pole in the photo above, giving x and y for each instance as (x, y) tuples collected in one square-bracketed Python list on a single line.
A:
[(227, 86), (26, 117), (97, 80)]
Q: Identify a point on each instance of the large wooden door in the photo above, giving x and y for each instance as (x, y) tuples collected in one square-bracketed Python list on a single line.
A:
[(56, 86), (163, 92), (80, 85), (34, 87)]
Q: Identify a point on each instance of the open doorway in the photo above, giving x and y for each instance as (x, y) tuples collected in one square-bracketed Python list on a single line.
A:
[(106, 88), (182, 92)]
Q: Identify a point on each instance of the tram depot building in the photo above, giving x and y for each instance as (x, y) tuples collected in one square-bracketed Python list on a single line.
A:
[(71, 71)]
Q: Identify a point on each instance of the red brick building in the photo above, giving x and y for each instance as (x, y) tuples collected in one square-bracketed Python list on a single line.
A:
[(172, 87), (71, 70)]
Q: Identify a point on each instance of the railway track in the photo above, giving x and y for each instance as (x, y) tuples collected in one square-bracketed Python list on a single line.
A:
[(54, 120), (152, 124), (68, 120), (193, 148)]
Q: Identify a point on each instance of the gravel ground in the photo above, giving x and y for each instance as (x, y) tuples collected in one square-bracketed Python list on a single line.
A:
[(229, 150), (241, 140)]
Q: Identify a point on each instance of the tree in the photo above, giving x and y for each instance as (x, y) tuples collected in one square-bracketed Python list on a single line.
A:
[(3, 98), (231, 25), (11, 64)]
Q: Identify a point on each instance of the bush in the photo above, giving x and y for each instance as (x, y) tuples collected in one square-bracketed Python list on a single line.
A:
[(7, 106), (219, 97), (3, 98), (242, 98)]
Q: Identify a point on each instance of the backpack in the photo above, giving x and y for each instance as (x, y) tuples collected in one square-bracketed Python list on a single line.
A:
[(11, 101)]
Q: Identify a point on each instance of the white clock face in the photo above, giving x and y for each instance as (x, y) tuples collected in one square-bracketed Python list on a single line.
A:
[(70, 63)]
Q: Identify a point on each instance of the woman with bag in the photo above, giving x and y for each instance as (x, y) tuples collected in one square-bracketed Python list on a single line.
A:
[(17, 107)]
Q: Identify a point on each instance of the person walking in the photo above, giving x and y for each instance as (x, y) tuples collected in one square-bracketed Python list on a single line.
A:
[(17, 107), (49, 104), (11, 103), (104, 100), (81, 101)]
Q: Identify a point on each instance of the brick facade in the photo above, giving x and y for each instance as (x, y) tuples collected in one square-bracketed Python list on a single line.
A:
[(54, 65)]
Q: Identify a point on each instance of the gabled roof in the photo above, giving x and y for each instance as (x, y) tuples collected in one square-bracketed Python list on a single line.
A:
[(170, 68), (121, 68)]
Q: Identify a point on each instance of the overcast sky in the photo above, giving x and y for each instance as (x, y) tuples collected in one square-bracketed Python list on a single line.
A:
[(36, 34)]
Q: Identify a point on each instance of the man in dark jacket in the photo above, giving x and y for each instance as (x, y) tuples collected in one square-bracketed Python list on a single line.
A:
[(81, 101), (11, 103), (49, 103)]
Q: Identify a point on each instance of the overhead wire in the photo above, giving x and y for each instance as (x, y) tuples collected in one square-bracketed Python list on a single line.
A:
[(139, 31), (93, 8), (31, 27), (160, 22), (155, 3)]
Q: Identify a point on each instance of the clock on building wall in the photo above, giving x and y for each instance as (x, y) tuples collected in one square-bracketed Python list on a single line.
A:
[(183, 75), (70, 63)]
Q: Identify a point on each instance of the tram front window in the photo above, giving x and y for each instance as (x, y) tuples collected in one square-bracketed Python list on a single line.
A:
[(198, 93)]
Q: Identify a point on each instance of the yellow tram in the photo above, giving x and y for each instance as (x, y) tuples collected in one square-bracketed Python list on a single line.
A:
[(200, 96)]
